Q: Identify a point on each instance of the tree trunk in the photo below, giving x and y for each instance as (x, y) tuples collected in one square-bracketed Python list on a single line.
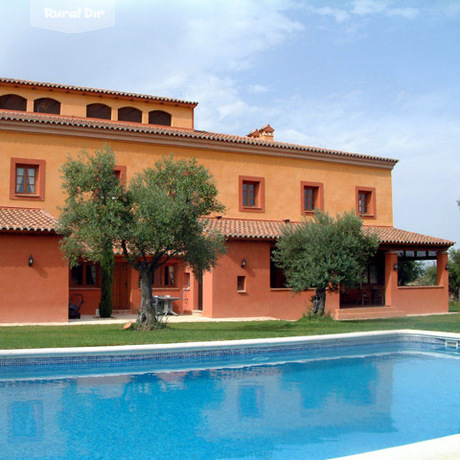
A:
[(319, 302), (107, 266), (146, 314)]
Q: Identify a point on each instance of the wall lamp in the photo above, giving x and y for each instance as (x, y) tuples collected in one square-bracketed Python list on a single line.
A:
[(447, 267), (243, 263), (395, 268), (31, 260)]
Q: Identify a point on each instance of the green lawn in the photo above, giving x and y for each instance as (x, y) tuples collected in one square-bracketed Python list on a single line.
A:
[(80, 336)]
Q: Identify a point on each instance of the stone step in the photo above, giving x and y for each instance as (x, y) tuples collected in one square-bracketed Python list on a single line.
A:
[(197, 312), (122, 312), (343, 314)]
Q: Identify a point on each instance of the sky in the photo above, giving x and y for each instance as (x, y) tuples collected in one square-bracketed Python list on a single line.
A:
[(375, 77)]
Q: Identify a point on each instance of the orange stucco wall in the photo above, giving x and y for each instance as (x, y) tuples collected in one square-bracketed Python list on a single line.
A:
[(417, 299), (283, 176), (32, 294), (223, 300), (74, 104)]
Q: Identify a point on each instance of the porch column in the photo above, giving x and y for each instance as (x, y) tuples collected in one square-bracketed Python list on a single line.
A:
[(443, 274), (391, 277), (193, 293)]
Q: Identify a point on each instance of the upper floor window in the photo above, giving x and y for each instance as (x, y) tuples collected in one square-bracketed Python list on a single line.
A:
[(27, 179), (159, 117), (13, 102), (47, 105), (101, 111), (251, 194), (311, 197), (130, 114), (365, 201), (120, 174)]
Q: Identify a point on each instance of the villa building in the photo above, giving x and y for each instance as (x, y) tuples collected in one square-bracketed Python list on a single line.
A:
[(263, 183)]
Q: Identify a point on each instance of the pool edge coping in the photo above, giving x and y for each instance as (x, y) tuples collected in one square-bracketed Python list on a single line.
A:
[(446, 447), (214, 345)]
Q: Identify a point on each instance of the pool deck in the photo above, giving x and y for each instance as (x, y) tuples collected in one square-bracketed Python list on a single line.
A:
[(447, 448), (123, 319)]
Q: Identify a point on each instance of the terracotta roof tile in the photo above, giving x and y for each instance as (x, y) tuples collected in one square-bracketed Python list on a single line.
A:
[(82, 89), (271, 230), (26, 219), (58, 120), (390, 235)]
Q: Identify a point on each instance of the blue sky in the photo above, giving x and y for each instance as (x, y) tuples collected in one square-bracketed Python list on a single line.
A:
[(377, 77)]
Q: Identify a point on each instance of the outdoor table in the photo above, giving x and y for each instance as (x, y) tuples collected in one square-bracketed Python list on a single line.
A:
[(167, 303)]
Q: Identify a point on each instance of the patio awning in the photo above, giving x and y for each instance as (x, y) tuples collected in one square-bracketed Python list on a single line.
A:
[(271, 230), (26, 220)]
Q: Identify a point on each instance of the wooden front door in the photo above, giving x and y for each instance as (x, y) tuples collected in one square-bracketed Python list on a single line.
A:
[(120, 291)]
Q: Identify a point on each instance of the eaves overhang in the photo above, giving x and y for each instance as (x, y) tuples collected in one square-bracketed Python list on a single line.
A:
[(16, 83), (186, 138)]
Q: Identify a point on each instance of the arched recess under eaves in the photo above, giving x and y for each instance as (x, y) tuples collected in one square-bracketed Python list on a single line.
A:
[(130, 114), (47, 105), (101, 111), (159, 117), (13, 102)]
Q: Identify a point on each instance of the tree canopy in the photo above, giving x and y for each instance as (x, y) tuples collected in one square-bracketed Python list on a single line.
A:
[(159, 216), (324, 253), (89, 220)]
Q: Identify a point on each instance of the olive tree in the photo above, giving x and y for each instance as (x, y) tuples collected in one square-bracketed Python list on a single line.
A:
[(324, 253), (89, 220), (159, 216), (164, 218)]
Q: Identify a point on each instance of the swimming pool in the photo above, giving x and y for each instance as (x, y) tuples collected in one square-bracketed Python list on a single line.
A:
[(320, 397)]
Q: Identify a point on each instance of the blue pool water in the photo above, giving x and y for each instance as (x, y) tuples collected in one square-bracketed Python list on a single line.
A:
[(310, 405)]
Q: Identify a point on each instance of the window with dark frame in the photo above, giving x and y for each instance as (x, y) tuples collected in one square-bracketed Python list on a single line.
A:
[(277, 278), (310, 194), (365, 201), (311, 197), (26, 179), (241, 284), (251, 194), (165, 276), (86, 274)]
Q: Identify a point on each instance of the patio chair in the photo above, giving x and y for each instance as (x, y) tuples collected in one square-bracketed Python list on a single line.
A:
[(75, 302), (366, 298)]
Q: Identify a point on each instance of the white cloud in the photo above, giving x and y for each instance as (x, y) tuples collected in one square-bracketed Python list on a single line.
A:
[(257, 89), (408, 13), (338, 14), (366, 7)]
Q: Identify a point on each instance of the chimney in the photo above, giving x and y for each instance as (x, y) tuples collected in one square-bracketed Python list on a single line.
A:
[(265, 133)]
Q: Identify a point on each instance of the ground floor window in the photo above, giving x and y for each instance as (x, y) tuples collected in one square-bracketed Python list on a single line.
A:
[(86, 274), (417, 268), (371, 288), (277, 278), (165, 276)]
